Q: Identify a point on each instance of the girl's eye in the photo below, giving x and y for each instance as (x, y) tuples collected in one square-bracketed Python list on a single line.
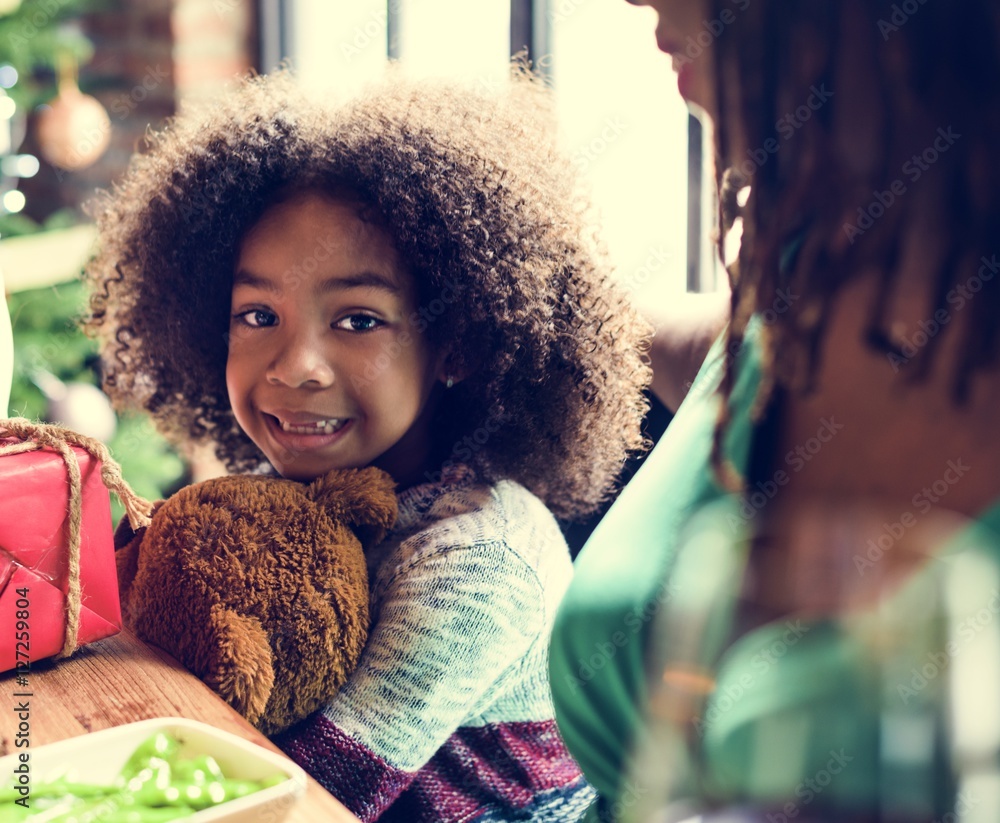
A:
[(359, 322), (257, 318)]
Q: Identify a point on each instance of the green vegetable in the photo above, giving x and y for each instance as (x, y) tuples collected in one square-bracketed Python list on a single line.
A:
[(160, 745), (155, 784), (146, 814)]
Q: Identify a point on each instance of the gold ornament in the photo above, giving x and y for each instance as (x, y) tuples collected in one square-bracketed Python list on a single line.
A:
[(74, 128)]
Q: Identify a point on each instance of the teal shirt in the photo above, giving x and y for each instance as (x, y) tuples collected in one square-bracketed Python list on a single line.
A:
[(601, 632), (600, 642)]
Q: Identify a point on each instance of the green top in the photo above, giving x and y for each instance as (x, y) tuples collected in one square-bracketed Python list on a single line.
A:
[(601, 640), (600, 636)]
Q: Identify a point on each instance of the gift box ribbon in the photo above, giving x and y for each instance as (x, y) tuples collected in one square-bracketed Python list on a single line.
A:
[(18, 435)]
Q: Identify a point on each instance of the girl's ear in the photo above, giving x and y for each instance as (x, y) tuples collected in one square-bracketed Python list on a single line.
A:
[(452, 370)]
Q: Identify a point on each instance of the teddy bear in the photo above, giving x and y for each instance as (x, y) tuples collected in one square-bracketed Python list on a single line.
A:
[(259, 585)]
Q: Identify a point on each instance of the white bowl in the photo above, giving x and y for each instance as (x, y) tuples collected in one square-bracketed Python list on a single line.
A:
[(98, 758)]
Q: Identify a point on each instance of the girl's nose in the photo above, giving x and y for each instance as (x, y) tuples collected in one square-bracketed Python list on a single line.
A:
[(300, 362)]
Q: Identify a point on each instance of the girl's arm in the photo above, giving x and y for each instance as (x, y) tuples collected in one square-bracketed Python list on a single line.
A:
[(686, 327), (452, 631)]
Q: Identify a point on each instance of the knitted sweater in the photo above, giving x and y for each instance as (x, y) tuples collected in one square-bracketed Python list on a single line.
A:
[(449, 715)]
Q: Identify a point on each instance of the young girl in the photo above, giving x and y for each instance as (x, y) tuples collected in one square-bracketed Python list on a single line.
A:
[(407, 282)]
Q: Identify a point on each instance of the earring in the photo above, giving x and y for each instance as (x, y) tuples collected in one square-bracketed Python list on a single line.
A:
[(449, 382)]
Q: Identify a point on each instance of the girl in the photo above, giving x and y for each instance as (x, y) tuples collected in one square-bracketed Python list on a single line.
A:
[(408, 282), (863, 314)]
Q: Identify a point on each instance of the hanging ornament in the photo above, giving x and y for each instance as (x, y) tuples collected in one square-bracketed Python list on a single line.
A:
[(78, 406), (74, 128)]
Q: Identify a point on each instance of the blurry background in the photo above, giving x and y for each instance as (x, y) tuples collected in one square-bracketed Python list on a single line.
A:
[(81, 82)]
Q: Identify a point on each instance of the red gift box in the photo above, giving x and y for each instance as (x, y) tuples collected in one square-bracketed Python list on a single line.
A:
[(35, 575)]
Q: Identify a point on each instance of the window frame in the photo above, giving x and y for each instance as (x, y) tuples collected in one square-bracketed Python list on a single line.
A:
[(530, 35)]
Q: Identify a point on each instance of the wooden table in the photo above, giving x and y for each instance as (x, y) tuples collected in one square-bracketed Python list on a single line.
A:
[(119, 680)]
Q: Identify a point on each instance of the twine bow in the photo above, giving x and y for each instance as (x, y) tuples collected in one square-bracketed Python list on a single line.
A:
[(35, 436)]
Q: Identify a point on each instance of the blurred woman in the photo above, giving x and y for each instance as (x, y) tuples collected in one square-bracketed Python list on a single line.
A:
[(862, 319)]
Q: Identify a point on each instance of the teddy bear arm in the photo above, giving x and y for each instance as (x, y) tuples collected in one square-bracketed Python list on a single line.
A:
[(236, 662)]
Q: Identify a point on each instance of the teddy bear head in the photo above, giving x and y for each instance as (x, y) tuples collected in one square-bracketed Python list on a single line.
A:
[(259, 585)]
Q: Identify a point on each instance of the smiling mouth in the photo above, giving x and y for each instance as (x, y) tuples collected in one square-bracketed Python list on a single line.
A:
[(329, 426)]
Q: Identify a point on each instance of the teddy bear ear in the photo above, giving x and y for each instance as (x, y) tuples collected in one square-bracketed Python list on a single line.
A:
[(364, 499)]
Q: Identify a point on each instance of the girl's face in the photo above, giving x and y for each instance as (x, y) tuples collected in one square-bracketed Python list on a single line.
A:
[(684, 31), (326, 369)]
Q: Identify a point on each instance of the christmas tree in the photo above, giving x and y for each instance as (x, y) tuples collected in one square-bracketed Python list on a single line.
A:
[(56, 367)]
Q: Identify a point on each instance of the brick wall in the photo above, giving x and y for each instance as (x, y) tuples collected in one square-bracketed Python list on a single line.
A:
[(151, 57), (214, 42)]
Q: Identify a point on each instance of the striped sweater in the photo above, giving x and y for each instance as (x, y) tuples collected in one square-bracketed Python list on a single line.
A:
[(449, 715)]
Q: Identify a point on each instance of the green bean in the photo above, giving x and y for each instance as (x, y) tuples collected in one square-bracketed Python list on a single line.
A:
[(56, 788), (200, 769), (201, 796), (147, 814), (156, 773), (161, 745), (153, 795), (12, 813), (87, 810), (235, 789)]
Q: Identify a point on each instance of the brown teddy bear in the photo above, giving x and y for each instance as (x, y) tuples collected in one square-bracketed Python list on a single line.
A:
[(259, 585)]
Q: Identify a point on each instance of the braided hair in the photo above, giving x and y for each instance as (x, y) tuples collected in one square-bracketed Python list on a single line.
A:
[(862, 98)]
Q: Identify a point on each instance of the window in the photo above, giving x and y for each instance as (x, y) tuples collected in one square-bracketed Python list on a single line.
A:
[(618, 120)]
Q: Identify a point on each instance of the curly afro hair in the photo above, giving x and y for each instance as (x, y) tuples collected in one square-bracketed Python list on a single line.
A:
[(477, 199)]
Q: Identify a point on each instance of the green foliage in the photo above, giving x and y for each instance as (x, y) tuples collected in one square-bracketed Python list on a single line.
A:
[(19, 224), (46, 338), (33, 37)]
